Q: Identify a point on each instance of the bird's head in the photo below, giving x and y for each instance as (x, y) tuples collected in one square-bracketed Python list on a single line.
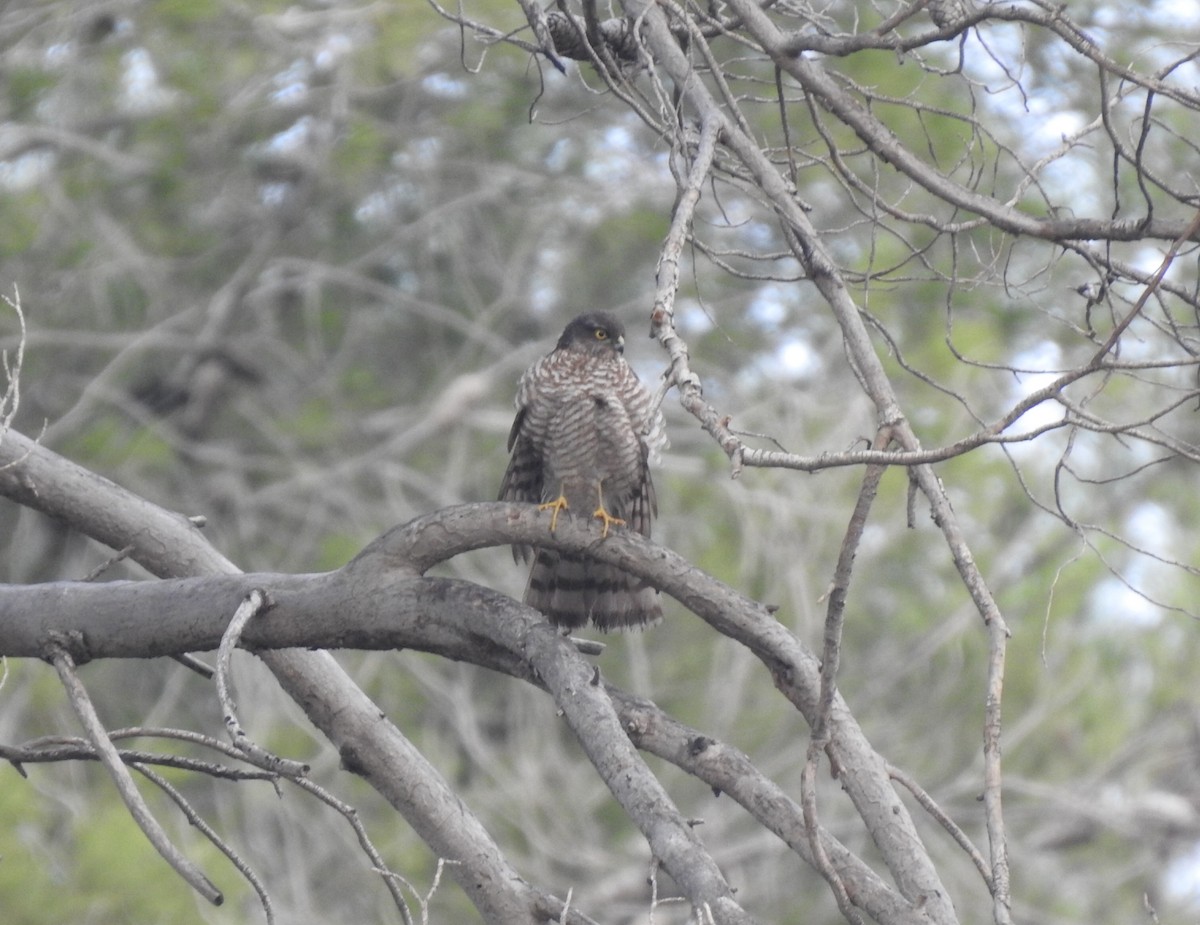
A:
[(594, 332)]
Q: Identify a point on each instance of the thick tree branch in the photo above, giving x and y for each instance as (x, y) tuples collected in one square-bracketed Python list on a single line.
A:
[(169, 545), (380, 606), (730, 772), (383, 603)]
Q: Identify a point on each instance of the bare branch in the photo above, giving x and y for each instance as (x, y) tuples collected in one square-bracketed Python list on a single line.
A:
[(830, 660), (930, 806), (208, 832), (82, 705), (10, 399), (390, 878), (169, 544)]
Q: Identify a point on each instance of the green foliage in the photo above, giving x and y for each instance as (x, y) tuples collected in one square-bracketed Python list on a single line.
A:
[(337, 550), (109, 443), (402, 30), (311, 425), (126, 301), (111, 870), (27, 882), (102, 443), (112, 862), (18, 223), (183, 14), (362, 151), (26, 86)]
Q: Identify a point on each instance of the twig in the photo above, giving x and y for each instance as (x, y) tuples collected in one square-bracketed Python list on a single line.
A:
[(109, 563), (830, 658), (49, 749), (1172, 252), (10, 399), (422, 901), (731, 773), (836, 611), (350, 814), (254, 603), (993, 801), (652, 879), (930, 806), (691, 393), (196, 820), (808, 805), (536, 17), (64, 664), (62, 748)]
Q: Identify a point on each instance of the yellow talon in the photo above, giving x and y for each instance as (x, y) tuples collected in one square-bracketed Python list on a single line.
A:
[(602, 514), (608, 520), (558, 504)]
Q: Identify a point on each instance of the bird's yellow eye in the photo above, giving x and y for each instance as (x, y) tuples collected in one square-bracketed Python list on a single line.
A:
[(601, 334)]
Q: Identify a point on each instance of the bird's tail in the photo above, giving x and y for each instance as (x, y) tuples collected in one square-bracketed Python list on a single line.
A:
[(571, 589)]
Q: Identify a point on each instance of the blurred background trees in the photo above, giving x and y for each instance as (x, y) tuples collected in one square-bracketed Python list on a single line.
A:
[(282, 265)]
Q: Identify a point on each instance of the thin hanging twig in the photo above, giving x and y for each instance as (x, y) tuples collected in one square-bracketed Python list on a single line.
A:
[(255, 602), (64, 664)]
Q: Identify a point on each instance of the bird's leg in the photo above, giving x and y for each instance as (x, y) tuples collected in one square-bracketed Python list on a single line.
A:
[(558, 504), (602, 514)]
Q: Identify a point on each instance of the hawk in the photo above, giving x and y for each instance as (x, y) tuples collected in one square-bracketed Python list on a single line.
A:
[(582, 440)]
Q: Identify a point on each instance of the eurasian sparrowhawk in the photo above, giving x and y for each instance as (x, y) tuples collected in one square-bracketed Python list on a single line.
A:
[(585, 431)]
